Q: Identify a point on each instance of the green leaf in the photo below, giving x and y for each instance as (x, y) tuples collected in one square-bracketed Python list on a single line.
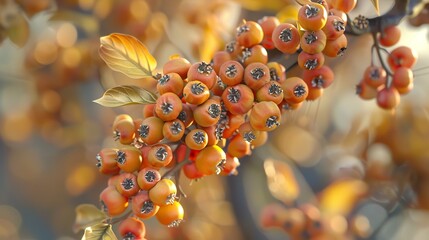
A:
[(126, 95), (88, 215), (102, 231), (126, 54)]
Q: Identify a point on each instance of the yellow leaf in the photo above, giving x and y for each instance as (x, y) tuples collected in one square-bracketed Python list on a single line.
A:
[(340, 197), (281, 181), (19, 30), (126, 95), (288, 13), (126, 54), (376, 5), (102, 231), (87, 215)]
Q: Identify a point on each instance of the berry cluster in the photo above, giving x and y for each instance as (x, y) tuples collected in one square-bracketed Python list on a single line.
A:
[(387, 83), (208, 115)]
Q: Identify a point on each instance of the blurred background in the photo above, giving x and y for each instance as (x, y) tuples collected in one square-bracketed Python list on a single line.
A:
[(50, 130)]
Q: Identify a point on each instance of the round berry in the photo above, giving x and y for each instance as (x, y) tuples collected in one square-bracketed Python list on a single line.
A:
[(168, 106), (196, 139)]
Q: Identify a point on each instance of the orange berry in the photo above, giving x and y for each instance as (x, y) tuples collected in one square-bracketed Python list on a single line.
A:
[(389, 36), (310, 61), (365, 91), (186, 115), (405, 90), (388, 98), (375, 76), (160, 155), (239, 146), (318, 78), (249, 34), (202, 72), (148, 177), (231, 72), (402, 57), (234, 122), (123, 130), (173, 130), (190, 170), (234, 49), (313, 42), (265, 116), (170, 215), (168, 106), (230, 166), (127, 184), (271, 91), (344, 5), (295, 90), (106, 161), (238, 99), (402, 77), (142, 206), (132, 228), (196, 92), (337, 47), (312, 16), (314, 93), (150, 130), (334, 27), (112, 202), (254, 54), (256, 75), (219, 58), (148, 110), (338, 13), (277, 72), (208, 113), (196, 139), (163, 193), (268, 24), (210, 160), (129, 159), (261, 139), (177, 65), (171, 82), (286, 38), (212, 138)]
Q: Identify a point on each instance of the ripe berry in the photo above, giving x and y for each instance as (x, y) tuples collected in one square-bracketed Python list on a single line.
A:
[(318, 78), (106, 161), (208, 113), (365, 92), (310, 61), (238, 99), (402, 77), (234, 49), (195, 92), (202, 72), (295, 90), (337, 47), (212, 135), (127, 184), (150, 130), (112, 202), (312, 16), (163, 193), (271, 91), (313, 42), (388, 98), (186, 115), (123, 129), (256, 75), (190, 170), (389, 36), (171, 82), (268, 24), (402, 57), (196, 139), (142, 206), (234, 121), (344, 5), (314, 93), (375, 76), (254, 54), (160, 155), (265, 116), (277, 72), (219, 58), (132, 228), (231, 72), (249, 34), (286, 38), (170, 215), (173, 130), (230, 166), (148, 177), (177, 65), (239, 147), (168, 106), (148, 110), (129, 159), (261, 139), (210, 160), (334, 28)]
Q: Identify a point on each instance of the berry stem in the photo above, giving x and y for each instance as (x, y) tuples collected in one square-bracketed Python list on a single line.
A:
[(120, 218), (178, 166), (378, 50)]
